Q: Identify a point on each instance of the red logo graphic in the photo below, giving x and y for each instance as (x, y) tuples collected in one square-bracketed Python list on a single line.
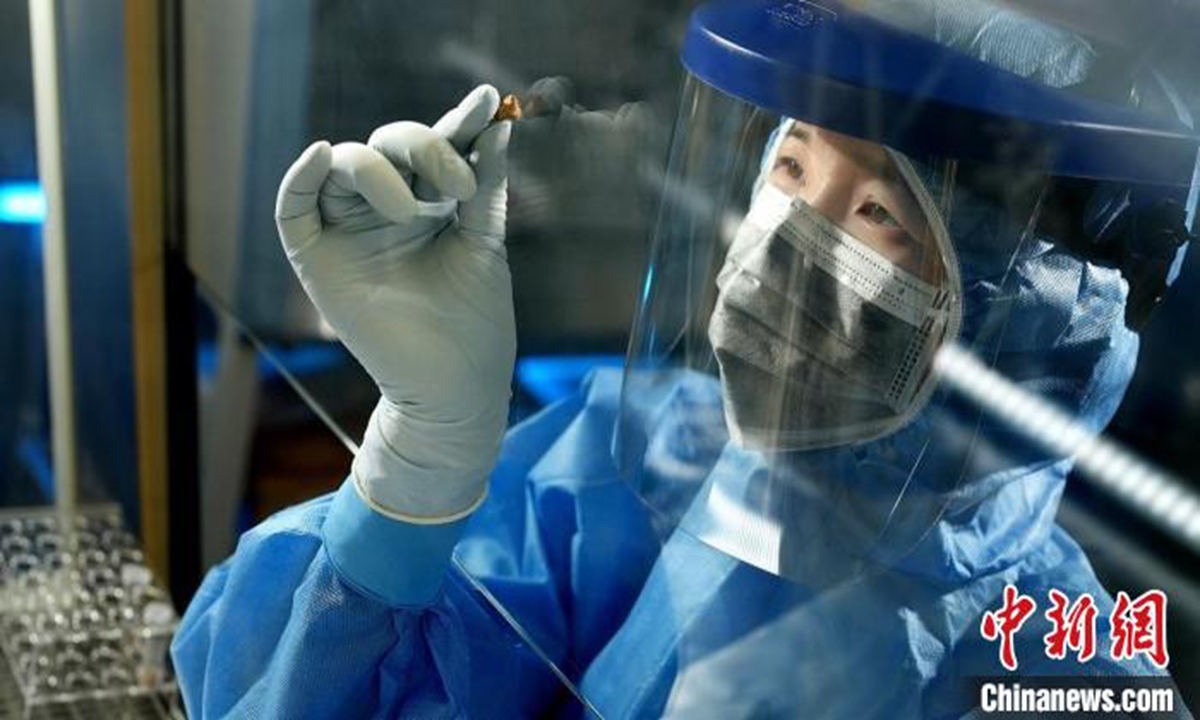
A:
[(1005, 622), (1139, 627), (1074, 627)]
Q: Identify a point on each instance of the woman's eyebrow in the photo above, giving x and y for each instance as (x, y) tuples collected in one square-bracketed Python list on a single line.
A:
[(799, 133), (890, 178), (882, 166)]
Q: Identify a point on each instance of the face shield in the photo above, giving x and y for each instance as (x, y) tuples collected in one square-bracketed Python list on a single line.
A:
[(835, 228)]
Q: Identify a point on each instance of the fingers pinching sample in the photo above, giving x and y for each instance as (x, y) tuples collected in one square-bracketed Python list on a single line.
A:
[(464, 123)]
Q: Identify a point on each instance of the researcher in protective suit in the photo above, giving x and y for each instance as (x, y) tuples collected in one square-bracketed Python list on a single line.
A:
[(785, 505)]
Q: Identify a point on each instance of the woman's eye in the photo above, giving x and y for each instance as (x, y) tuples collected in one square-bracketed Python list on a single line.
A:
[(791, 166), (879, 215)]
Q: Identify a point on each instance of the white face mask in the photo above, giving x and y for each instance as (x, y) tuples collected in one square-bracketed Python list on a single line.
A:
[(820, 339)]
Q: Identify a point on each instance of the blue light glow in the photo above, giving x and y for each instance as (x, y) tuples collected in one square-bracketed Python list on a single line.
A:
[(22, 203), (552, 377), (34, 454)]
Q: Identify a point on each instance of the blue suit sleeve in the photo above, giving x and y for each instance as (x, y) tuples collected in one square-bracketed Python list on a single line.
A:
[(325, 611), (329, 609)]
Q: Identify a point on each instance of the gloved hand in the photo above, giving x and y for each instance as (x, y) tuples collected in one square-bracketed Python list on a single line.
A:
[(400, 245)]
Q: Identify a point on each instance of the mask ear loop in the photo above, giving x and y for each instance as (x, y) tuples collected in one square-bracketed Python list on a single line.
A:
[(769, 152), (952, 284), (1026, 234)]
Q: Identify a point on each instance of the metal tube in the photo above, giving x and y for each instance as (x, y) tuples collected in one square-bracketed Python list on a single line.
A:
[(56, 278)]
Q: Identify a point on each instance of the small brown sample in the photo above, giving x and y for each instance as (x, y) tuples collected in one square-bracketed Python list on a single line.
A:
[(510, 109)]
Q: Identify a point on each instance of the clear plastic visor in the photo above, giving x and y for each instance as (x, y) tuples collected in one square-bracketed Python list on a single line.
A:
[(780, 386)]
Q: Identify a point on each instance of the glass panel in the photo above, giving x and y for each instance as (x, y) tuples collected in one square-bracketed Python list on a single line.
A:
[(264, 81), (98, 212), (25, 474), (98, 260), (85, 625)]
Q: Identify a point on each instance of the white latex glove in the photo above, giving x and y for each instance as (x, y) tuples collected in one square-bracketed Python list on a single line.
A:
[(420, 293)]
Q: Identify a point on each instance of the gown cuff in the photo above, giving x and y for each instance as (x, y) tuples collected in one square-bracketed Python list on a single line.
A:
[(398, 563)]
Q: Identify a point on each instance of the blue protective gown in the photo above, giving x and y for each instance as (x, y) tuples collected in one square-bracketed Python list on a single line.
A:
[(330, 610)]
